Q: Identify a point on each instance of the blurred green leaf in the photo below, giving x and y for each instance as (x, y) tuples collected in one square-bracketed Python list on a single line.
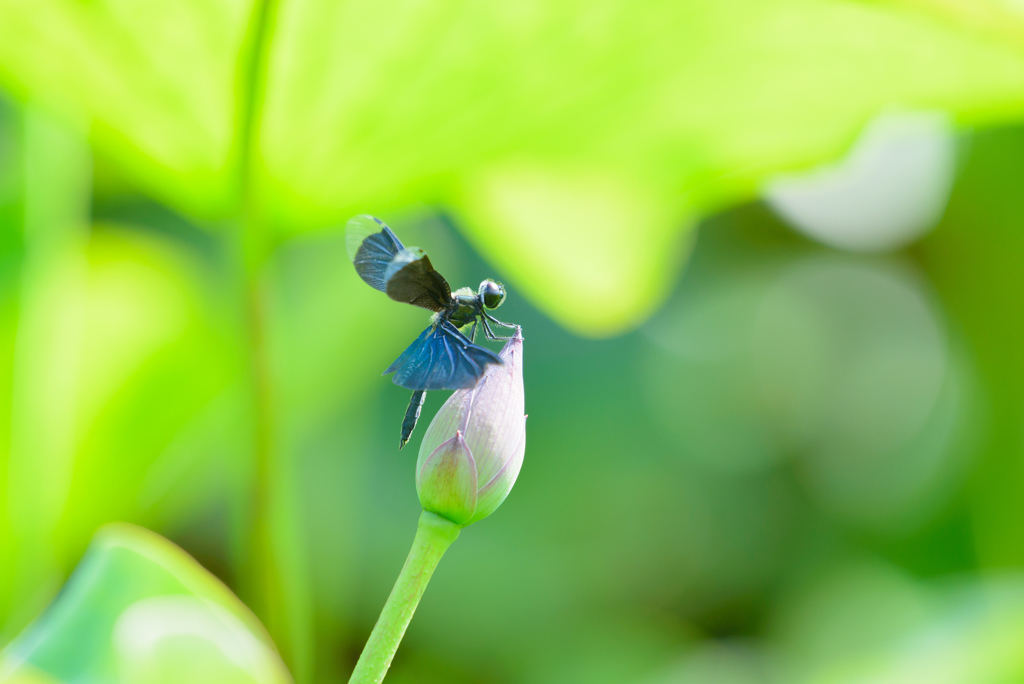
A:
[(103, 324), (145, 434), (510, 115), (132, 440), (156, 81), (49, 266), (138, 610), (577, 141), (872, 624)]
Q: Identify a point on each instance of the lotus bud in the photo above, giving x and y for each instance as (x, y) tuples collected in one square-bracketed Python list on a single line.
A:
[(472, 452)]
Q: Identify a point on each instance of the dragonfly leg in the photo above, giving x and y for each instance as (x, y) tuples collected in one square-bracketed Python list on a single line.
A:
[(489, 334), (412, 414), (472, 333), (487, 328), (494, 320)]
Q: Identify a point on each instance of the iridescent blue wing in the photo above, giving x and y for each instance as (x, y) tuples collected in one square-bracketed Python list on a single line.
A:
[(404, 274), (441, 358), (371, 247)]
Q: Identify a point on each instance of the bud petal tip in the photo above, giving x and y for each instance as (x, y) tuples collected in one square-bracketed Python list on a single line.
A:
[(447, 481)]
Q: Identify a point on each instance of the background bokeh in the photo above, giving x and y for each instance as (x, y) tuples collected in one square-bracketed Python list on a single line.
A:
[(766, 256)]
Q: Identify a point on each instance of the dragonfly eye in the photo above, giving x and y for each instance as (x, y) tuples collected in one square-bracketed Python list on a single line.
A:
[(492, 293)]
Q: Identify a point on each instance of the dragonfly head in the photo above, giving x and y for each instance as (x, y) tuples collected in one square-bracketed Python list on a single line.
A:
[(492, 294)]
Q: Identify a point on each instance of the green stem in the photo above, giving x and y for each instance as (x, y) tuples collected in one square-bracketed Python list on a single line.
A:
[(434, 535), (251, 251)]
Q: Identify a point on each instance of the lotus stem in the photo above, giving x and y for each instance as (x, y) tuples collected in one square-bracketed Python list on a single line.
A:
[(434, 535)]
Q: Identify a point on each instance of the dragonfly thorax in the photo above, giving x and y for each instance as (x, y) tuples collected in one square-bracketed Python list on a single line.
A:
[(466, 307)]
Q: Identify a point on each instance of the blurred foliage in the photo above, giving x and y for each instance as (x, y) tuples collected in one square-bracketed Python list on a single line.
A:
[(139, 610), (547, 128), (805, 467)]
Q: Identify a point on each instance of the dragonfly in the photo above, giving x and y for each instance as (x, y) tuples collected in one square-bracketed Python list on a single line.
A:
[(443, 357)]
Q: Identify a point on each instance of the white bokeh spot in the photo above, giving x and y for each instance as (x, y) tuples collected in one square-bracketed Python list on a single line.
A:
[(891, 188)]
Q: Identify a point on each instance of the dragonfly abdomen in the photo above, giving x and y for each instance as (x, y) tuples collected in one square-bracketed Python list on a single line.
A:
[(412, 414)]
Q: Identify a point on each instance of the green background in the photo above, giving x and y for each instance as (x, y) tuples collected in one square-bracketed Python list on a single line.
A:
[(752, 457)]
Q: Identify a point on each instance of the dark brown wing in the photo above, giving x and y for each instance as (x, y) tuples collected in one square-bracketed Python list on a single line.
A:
[(410, 278)]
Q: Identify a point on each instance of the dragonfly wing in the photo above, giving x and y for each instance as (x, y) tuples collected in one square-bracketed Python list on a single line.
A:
[(413, 351), (371, 247), (404, 274), (410, 278), (441, 358)]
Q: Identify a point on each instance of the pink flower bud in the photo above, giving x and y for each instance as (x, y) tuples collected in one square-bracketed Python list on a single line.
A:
[(472, 452)]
